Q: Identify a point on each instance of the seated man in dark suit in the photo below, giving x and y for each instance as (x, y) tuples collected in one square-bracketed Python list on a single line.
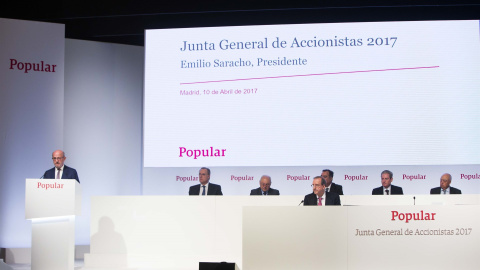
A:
[(207, 188), (445, 187), (319, 196), (331, 187), (387, 188), (264, 189), (60, 171)]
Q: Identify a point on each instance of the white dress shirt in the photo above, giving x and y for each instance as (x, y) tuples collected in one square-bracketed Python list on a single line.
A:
[(61, 172)]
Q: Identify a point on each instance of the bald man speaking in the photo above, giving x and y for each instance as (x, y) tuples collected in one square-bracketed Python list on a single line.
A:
[(60, 170)]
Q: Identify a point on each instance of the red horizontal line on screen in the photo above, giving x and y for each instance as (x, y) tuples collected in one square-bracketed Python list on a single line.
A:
[(305, 75)]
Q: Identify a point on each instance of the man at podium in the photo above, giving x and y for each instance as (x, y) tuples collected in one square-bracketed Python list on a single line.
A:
[(60, 171)]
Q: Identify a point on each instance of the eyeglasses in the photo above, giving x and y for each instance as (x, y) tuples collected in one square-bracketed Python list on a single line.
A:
[(316, 185), (57, 158)]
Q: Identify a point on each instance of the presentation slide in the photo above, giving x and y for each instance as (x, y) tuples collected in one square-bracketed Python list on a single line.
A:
[(343, 94)]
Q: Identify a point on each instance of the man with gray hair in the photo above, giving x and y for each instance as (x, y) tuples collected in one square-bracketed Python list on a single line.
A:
[(387, 188), (205, 187), (319, 196), (445, 188), (264, 189)]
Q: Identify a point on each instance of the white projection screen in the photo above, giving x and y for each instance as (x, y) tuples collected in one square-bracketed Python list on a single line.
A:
[(291, 100)]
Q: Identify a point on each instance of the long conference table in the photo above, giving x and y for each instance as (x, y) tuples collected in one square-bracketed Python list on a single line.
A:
[(274, 232)]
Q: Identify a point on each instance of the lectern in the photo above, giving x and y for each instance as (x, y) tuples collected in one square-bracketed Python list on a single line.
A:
[(51, 205)]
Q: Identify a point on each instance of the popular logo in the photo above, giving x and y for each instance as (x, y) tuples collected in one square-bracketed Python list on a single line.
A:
[(26, 67)]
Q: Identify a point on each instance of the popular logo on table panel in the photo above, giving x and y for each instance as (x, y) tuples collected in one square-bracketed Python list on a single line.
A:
[(407, 217), (198, 153)]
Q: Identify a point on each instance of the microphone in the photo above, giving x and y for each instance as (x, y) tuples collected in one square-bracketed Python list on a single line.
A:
[(300, 203), (413, 200), (42, 176)]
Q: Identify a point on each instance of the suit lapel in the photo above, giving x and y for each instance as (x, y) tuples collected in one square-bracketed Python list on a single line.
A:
[(327, 198), (313, 199), (211, 189), (65, 170), (196, 190)]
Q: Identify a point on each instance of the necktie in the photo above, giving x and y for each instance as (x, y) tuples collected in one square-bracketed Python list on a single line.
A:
[(320, 201), (387, 191), (328, 189), (203, 192), (444, 191), (264, 193), (58, 174)]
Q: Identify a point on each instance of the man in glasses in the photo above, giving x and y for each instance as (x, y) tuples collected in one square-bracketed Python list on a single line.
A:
[(319, 196), (60, 171)]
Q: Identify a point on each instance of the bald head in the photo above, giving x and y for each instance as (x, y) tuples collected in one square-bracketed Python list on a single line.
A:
[(265, 183), (58, 158), (445, 180)]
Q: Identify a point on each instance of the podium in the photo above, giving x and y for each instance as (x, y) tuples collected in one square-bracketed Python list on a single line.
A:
[(51, 205)]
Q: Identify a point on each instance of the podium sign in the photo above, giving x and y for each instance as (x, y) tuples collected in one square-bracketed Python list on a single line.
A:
[(52, 204), (45, 198)]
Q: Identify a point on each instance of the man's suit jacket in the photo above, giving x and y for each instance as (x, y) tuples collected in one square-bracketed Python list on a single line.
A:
[(453, 190), (330, 199), (212, 189), (258, 191), (68, 173), (393, 189), (336, 189)]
